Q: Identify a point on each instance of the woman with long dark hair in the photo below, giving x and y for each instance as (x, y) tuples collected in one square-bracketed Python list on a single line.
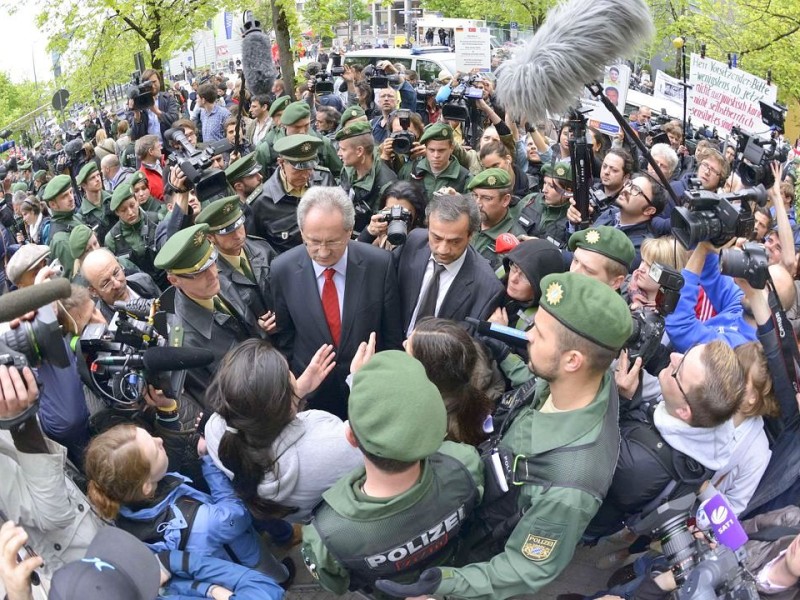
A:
[(280, 460)]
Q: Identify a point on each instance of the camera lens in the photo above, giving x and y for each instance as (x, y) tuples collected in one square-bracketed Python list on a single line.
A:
[(733, 262), (397, 232), (693, 227)]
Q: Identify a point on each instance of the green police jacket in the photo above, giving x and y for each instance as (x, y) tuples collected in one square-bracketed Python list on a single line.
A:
[(415, 526), (99, 217), (484, 240), (542, 221), (544, 539), (61, 225), (454, 176)]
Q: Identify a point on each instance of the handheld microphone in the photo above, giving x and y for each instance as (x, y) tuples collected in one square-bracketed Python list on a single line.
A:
[(716, 512), (515, 338), (570, 49), (257, 66), (159, 359), (15, 304), (139, 308)]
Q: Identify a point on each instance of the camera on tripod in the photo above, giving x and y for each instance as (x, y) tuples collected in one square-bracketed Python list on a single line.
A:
[(209, 183), (648, 323), (403, 140), (707, 216), (141, 92), (750, 263)]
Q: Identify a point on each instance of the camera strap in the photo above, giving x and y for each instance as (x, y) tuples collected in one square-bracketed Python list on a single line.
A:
[(786, 338)]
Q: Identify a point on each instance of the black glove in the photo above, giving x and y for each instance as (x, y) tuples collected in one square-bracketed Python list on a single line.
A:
[(497, 349), (426, 584)]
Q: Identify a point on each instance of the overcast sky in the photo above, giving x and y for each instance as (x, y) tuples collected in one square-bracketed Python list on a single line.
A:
[(23, 44)]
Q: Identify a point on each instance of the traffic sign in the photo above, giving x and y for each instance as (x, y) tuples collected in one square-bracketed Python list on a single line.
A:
[(514, 25), (60, 99)]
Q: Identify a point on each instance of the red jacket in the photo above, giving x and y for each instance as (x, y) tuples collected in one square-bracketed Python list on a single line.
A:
[(155, 181)]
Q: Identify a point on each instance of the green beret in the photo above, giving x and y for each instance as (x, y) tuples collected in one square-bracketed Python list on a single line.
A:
[(352, 112), (247, 165), (222, 216), (121, 193), (299, 149), (490, 179), (294, 112), (279, 105), (588, 307), (20, 186), (561, 170), (394, 410), (78, 238), (605, 240), (354, 130), (437, 131), (40, 173), (26, 166), (137, 177), (187, 252), (57, 186), (87, 169)]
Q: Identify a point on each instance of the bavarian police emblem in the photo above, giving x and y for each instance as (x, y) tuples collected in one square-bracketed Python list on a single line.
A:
[(538, 548), (198, 238), (305, 147), (491, 180), (554, 294), (592, 236), (227, 208)]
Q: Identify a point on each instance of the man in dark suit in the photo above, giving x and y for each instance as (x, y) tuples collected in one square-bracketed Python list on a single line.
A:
[(212, 314), (333, 291), (439, 273)]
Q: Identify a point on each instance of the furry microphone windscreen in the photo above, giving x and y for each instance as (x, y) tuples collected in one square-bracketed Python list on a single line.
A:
[(570, 49), (257, 66)]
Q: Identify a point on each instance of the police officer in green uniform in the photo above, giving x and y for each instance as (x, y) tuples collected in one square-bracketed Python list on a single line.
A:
[(492, 192), (403, 511), (141, 191), (557, 439), (275, 210), (26, 174), (244, 177), (95, 210), (244, 260), (603, 252), (134, 235), (439, 168), (352, 114), (544, 214), (363, 178), (296, 120), (211, 314), (39, 183), (60, 200)]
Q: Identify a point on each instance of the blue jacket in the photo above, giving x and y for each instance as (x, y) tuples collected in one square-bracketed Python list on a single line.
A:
[(193, 575), (684, 328), (222, 520)]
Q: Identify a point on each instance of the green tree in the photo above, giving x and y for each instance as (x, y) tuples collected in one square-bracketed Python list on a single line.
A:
[(523, 11)]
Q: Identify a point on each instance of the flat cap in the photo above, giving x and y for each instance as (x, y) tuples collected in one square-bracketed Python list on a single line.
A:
[(86, 170), (354, 130), (279, 105), (588, 307), (187, 252), (350, 113), (24, 259), (78, 238), (394, 410), (299, 149), (57, 186), (490, 179), (294, 112), (605, 240), (222, 216), (247, 165)]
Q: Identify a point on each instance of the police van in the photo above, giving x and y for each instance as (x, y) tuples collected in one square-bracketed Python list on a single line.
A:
[(427, 62)]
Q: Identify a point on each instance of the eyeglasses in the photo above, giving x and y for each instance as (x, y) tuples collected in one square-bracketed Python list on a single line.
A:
[(677, 369), (636, 191), (515, 270), (709, 167), (330, 245), (116, 275)]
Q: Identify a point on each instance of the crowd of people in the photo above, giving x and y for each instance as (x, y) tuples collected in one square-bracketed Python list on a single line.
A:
[(344, 259)]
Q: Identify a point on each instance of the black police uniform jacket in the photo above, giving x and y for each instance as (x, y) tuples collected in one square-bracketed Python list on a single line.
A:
[(255, 295)]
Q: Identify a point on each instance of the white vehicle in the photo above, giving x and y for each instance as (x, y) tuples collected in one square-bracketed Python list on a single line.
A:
[(427, 62)]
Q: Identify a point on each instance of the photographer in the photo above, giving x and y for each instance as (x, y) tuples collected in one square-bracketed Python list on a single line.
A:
[(159, 117), (404, 195), (387, 102), (408, 130), (363, 178)]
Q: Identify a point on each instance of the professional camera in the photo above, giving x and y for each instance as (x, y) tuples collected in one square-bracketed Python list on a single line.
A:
[(337, 70), (403, 140), (378, 79), (648, 324), (209, 183), (715, 218), (398, 219), (66, 157), (750, 263), (700, 571), (462, 98), (599, 200), (141, 92)]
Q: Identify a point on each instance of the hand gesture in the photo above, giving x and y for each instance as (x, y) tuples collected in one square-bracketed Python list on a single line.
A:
[(318, 369), (387, 153), (16, 576), (627, 377), (267, 322), (417, 151), (499, 316), (366, 350)]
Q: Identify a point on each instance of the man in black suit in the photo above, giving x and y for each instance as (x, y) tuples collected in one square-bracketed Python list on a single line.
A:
[(439, 273), (333, 291)]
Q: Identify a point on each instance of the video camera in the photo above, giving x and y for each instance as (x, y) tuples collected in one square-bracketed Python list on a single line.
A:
[(66, 157), (403, 140), (209, 183), (141, 92), (648, 323), (378, 79), (462, 98), (700, 571), (707, 216), (750, 263), (398, 219)]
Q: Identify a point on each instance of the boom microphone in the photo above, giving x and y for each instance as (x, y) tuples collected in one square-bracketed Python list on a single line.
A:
[(158, 359), (508, 335), (257, 66), (15, 304), (570, 49)]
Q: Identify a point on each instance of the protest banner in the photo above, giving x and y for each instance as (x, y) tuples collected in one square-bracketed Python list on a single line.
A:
[(615, 85), (726, 98), (667, 87), (473, 49)]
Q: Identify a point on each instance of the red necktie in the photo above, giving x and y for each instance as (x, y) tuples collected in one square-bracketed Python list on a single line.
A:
[(330, 305)]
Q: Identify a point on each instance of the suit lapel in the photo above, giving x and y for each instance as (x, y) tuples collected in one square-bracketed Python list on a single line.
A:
[(459, 290), (356, 273)]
